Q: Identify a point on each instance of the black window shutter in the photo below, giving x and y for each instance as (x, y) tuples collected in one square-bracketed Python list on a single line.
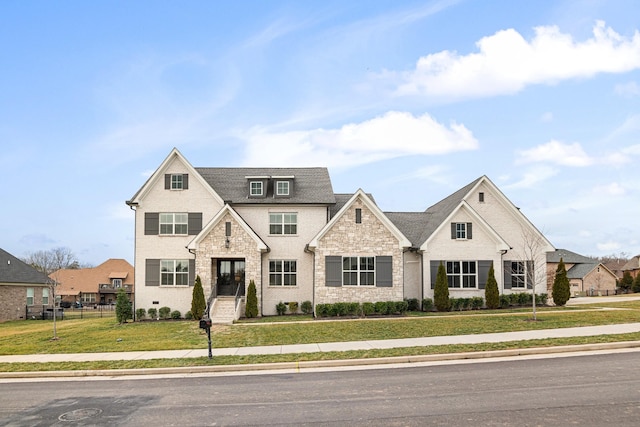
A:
[(167, 181), (192, 272), (453, 230), (151, 223), (195, 223), (469, 234), (152, 272), (185, 181), (530, 274), (384, 272), (333, 271), (433, 266), (483, 273), (507, 274)]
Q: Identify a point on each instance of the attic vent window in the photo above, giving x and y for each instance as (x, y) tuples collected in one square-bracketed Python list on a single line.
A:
[(481, 197), (358, 216)]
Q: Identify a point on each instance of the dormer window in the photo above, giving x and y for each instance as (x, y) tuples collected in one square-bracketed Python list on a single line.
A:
[(256, 188), (117, 283), (176, 181), (282, 188)]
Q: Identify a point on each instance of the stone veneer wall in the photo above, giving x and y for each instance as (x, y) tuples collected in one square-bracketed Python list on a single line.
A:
[(241, 245), (370, 238)]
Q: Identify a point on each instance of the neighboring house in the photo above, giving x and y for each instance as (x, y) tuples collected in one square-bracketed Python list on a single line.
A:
[(285, 229), (586, 275), (632, 266), (23, 289), (97, 285)]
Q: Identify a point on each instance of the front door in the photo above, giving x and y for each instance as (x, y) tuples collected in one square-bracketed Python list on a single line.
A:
[(230, 277)]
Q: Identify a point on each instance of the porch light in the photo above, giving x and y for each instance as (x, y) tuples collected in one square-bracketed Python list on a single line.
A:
[(226, 243)]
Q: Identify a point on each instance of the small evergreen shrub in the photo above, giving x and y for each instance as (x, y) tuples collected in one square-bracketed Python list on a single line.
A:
[(524, 298), (164, 312), (513, 299), (281, 308), (391, 307), (141, 313), (561, 290), (477, 303), (153, 313), (251, 309), (198, 303), (322, 310), (413, 304), (354, 309), (505, 301), (368, 308), (293, 307), (455, 304), (307, 307), (188, 315), (402, 307), (541, 299), (427, 304), (441, 290), (381, 307), (491, 292), (175, 315)]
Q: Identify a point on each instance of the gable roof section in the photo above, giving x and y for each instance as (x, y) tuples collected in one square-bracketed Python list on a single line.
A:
[(368, 202), (412, 224), (193, 244), (159, 174), (311, 185), (16, 271), (444, 209), (569, 257), (501, 244), (632, 264)]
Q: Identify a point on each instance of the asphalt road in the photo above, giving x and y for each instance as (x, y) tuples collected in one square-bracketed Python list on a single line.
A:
[(594, 390)]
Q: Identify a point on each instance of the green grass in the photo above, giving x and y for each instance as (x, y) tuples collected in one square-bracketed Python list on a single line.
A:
[(105, 335)]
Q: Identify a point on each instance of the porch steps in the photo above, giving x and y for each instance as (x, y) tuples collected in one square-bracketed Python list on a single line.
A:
[(224, 310)]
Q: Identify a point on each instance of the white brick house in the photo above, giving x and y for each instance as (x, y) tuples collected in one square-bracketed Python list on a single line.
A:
[(285, 229)]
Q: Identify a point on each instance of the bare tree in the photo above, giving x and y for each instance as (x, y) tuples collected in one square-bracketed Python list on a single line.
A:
[(50, 263), (534, 257)]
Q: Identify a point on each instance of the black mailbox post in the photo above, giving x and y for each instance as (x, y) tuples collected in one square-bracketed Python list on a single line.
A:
[(205, 324)]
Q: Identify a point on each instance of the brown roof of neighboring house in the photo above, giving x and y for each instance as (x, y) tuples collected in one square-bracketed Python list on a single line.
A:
[(86, 280), (632, 264)]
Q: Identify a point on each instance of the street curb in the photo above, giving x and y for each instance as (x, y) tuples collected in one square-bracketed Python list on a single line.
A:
[(298, 366)]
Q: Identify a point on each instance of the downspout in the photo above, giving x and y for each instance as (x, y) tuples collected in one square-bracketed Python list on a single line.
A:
[(501, 266), (313, 279)]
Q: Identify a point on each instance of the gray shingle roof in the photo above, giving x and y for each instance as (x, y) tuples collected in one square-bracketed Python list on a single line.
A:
[(13, 270), (568, 257), (414, 225), (578, 271), (311, 185)]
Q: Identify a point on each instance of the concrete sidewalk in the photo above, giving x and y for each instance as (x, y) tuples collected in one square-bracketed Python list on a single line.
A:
[(332, 346)]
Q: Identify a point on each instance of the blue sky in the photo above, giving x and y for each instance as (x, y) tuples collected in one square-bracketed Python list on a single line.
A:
[(407, 100)]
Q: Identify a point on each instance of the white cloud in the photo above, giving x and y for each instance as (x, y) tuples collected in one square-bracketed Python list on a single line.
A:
[(546, 117), (608, 246), (628, 90), (532, 177), (613, 189), (394, 134), (506, 63), (558, 153)]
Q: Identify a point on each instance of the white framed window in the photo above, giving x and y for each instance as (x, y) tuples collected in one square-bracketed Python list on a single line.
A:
[(174, 272), (283, 273), (358, 271), (283, 223), (282, 188), (117, 283), (30, 296), (462, 274), (256, 188), (461, 230), (177, 181), (45, 296), (88, 298), (174, 223), (518, 275)]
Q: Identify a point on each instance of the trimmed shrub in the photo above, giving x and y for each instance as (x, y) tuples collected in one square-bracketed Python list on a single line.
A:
[(198, 303), (561, 291), (541, 299), (188, 315), (636, 284), (281, 308), (307, 307), (413, 304), (402, 307), (141, 313), (513, 299), (441, 290), (477, 303), (427, 304), (175, 315), (491, 292), (391, 307), (368, 308), (322, 310), (293, 307), (626, 283), (354, 309), (524, 298), (124, 309), (505, 301), (251, 309), (455, 304), (164, 312), (153, 313), (380, 307)]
